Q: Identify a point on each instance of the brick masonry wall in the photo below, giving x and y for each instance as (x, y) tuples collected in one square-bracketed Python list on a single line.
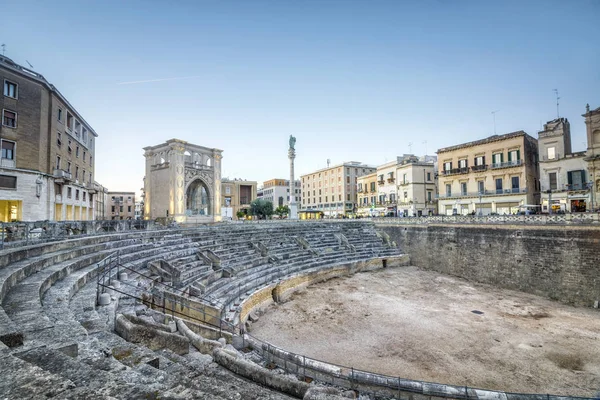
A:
[(558, 262)]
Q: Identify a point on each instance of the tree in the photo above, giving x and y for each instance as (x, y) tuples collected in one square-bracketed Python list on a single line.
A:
[(261, 208), (240, 214), (282, 211)]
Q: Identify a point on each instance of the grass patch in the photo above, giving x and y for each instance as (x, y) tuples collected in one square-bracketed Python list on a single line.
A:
[(572, 362)]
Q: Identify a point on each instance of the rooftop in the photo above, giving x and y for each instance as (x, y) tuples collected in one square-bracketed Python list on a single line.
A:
[(491, 139)]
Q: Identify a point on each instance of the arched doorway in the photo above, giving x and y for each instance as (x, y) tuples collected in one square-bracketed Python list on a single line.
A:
[(197, 199)]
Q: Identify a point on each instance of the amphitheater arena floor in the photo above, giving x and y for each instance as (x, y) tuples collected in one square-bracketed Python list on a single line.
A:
[(419, 325)]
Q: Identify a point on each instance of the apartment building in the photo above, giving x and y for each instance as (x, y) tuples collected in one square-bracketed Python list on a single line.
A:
[(495, 175), (47, 162), (332, 190), (403, 187), (592, 123), (277, 191), (100, 198), (120, 205), (563, 174), (236, 195), (139, 210)]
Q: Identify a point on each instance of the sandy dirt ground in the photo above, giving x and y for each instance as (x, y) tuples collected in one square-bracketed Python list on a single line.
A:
[(420, 325)]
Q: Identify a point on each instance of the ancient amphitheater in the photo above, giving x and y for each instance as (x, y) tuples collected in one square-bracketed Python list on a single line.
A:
[(159, 313)]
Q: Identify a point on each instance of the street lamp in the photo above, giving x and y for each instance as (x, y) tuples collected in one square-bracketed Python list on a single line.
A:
[(480, 209)]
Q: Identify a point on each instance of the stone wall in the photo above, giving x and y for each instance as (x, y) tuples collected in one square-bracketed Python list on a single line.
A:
[(561, 263)]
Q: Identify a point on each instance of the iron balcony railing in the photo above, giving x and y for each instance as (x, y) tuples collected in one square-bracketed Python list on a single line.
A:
[(484, 193), (514, 163)]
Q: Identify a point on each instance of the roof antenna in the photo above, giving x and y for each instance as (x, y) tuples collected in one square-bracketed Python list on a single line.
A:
[(328, 162), (494, 113), (30, 66), (3, 48), (557, 98)]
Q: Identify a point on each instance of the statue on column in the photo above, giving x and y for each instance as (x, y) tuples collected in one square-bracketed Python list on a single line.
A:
[(292, 142)]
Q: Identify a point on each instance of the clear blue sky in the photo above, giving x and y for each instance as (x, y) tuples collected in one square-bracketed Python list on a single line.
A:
[(352, 80)]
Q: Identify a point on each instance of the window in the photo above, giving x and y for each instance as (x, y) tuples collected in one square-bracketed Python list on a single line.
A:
[(120, 208), (360, 187), (76, 194), (69, 148), (404, 178), (128, 208), (76, 172), (9, 119), (480, 187), (8, 150), (576, 179), (462, 163), (429, 176), (479, 160), (10, 89), (83, 176), (57, 162), (447, 166), (515, 184), (83, 196), (463, 188), (497, 158), (429, 196), (90, 180), (58, 139), (372, 186), (60, 114), (392, 197), (553, 180), (112, 208), (69, 121), (498, 185), (68, 166), (69, 192), (77, 151), (448, 190), (91, 159), (551, 153), (8, 182)]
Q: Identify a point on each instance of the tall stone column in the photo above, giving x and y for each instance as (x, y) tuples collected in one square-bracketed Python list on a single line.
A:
[(147, 186), (216, 201), (292, 203), (176, 181)]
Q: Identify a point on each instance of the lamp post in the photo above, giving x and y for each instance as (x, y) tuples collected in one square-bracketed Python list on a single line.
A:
[(480, 210), (549, 201)]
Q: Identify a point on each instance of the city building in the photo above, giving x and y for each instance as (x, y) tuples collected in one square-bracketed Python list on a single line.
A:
[(139, 210), (592, 123), (120, 205), (277, 191), (563, 174), (495, 175), (403, 187), (236, 195), (101, 198), (332, 190), (183, 182), (48, 151)]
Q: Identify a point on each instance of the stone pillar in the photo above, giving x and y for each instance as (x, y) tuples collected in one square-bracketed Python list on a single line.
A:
[(292, 203), (176, 182), (216, 201), (147, 185)]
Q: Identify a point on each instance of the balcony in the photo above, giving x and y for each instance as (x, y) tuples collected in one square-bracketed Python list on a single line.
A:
[(455, 171), (508, 164), (7, 163), (93, 187), (479, 168), (497, 192), (62, 176), (381, 182)]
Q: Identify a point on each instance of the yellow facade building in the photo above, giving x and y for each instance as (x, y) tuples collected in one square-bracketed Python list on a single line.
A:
[(495, 175)]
